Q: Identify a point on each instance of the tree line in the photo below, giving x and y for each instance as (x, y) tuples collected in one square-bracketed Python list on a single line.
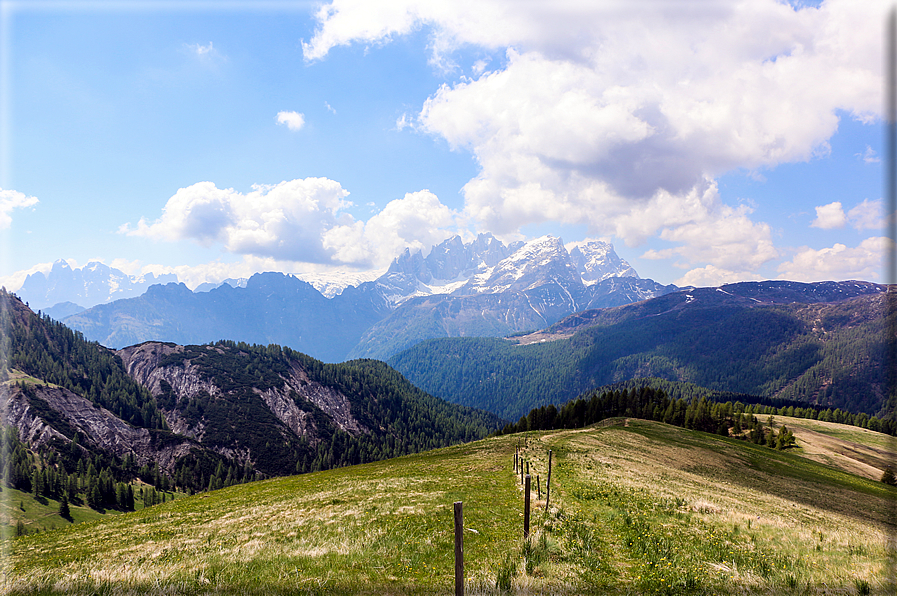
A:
[(723, 418)]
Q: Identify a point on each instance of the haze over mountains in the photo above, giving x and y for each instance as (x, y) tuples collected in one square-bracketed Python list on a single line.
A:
[(93, 284), (482, 287)]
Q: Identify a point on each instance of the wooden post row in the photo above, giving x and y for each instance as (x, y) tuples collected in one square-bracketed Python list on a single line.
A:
[(459, 548), (526, 507), (548, 482)]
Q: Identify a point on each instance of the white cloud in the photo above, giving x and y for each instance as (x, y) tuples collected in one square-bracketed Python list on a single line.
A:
[(418, 221), (403, 122), (131, 267), (714, 276), (299, 221), (202, 50), (869, 156), (14, 281), (868, 215), (621, 114), (863, 262), (705, 229), (329, 108), (10, 200), (206, 54), (292, 120), (829, 216)]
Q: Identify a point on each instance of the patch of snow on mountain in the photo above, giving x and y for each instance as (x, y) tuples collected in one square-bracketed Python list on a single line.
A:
[(531, 258), (596, 260), (333, 283)]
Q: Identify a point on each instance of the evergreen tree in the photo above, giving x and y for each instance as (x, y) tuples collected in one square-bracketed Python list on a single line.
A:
[(64, 508)]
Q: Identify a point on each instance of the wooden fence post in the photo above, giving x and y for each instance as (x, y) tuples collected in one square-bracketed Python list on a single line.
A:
[(526, 507), (548, 482), (459, 548), (538, 487)]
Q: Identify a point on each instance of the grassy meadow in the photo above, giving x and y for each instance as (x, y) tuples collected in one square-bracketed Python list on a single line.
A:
[(636, 507)]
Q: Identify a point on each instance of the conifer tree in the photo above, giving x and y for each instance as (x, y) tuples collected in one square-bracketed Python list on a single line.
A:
[(64, 507)]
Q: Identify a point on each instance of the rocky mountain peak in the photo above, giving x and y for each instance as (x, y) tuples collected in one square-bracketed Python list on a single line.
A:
[(533, 264), (596, 260)]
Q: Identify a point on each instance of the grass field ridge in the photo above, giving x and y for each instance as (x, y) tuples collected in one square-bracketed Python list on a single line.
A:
[(637, 507)]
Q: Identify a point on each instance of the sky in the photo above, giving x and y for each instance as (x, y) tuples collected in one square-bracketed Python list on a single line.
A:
[(709, 141)]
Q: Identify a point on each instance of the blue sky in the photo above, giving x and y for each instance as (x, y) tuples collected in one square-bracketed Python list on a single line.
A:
[(709, 142)]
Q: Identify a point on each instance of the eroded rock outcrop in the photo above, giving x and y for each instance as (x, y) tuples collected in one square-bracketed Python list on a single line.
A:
[(96, 426), (172, 376)]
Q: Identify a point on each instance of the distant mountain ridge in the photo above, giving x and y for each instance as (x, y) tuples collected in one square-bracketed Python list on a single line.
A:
[(87, 286), (482, 287), (272, 308)]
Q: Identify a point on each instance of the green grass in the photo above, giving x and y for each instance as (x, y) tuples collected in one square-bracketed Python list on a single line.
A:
[(17, 376), (636, 507), (40, 514), (37, 514)]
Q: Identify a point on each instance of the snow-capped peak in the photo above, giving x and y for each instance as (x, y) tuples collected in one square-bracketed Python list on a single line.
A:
[(595, 260)]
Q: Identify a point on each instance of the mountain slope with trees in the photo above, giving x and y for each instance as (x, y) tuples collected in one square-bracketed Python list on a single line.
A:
[(819, 344), (200, 417)]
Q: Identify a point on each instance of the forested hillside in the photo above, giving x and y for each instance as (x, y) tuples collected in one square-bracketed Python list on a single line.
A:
[(50, 351), (288, 412), (826, 353), (86, 422)]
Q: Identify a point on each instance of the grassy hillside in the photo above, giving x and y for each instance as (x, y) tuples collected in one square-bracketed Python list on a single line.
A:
[(636, 507)]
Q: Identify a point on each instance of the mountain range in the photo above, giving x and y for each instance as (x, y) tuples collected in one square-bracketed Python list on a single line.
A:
[(75, 289), (482, 287)]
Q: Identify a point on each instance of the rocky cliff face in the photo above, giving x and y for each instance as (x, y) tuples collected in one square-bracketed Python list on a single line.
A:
[(29, 410), (185, 379)]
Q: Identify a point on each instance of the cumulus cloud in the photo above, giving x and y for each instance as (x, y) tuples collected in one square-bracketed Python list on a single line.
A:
[(837, 262), (418, 221), (605, 113), (868, 215), (292, 120), (829, 216), (299, 221), (14, 281), (10, 200), (704, 229), (714, 276)]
